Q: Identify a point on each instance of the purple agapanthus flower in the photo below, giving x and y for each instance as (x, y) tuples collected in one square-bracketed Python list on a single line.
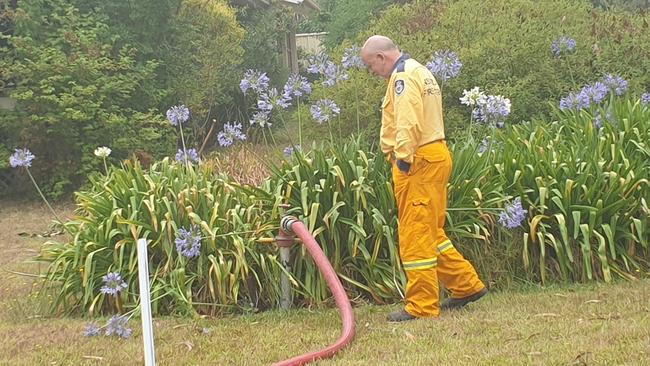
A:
[(113, 284), (324, 110), (255, 80), (493, 110), (514, 214), (289, 150), (92, 330), (563, 44), (645, 98), (485, 144), (191, 156), (117, 325), (178, 114), (445, 65), (609, 116), (615, 83), (231, 133), (594, 93), (598, 120), (574, 101), (21, 158), (271, 99), (352, 58), (260, 118), (317, 63), (333, 74), (296, 86), (188, 242)]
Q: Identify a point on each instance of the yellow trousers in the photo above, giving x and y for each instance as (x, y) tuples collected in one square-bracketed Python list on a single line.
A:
[(427, 255)]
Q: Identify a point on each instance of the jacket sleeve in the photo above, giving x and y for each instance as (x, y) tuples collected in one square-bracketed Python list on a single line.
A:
[(408, 116)]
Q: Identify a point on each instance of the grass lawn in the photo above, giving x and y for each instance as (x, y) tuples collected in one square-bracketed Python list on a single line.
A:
[(570, 325)]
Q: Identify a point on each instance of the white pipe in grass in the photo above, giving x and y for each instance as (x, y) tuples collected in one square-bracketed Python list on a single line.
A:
[(145, 304)]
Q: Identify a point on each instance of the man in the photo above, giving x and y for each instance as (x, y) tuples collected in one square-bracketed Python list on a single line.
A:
[(412, 137)]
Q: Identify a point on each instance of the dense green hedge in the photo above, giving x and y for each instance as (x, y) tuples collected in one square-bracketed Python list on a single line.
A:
[(505, 48), (86, 74)]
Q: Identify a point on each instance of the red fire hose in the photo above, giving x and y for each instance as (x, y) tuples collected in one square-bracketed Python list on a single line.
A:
[(291, 225)]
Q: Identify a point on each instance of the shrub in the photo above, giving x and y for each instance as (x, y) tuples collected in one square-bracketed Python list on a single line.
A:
[(505, 47), (230, 270), (74, 89)]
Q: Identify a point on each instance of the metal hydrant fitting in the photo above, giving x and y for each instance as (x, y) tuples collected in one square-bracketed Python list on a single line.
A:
[(285, 240)]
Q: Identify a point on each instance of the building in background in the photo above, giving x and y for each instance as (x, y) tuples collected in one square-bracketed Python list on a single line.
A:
[(288, 47)]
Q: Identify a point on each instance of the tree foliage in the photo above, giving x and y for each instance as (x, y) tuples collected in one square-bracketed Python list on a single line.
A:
[(74, 88), (91, 73)]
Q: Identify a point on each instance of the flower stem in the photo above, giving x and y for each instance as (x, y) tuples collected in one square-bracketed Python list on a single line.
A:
[(180, 127), (272, 137), (356, 100), (329, 127), (105, 166), (339, 123), (299, 125), (46, 202)]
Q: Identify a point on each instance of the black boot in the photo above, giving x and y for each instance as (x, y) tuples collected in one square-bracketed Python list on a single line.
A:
[(451, 303), (400, 316)]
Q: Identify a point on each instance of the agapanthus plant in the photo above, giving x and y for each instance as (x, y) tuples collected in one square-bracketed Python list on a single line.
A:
[(563, 45), (117, 326), (92, 330), (188, 242), (594, 94), (473, 97), (514, 214), (261, 119), (321, 64), (22, 158), (272, 99), (191, 156), (352, 58), (599, 120), (333, 74), (255, 80), (103, 152), (231, 132), (317, 63), (177, 115), (289, 150), (615, 83), (493, 110), (113, 284), (445, 65), (296, 86), (645, 98), (324, 110), (576, 101), (484, 146)]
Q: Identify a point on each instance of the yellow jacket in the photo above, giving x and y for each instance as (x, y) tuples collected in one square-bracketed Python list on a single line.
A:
[(411, 110)]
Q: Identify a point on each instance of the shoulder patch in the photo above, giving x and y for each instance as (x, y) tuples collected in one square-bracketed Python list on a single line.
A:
[(399, 87)]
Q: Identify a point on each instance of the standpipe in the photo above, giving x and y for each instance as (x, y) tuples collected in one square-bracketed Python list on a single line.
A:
[(290, 227)]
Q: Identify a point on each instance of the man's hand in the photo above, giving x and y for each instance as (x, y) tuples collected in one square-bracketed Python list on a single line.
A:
[(403, 166)]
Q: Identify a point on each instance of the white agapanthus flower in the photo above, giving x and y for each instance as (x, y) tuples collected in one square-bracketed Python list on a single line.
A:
[(473, 97), (102, 152)]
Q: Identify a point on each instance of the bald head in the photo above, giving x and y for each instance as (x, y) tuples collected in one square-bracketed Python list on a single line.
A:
[(379, 43), (379, 53)]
